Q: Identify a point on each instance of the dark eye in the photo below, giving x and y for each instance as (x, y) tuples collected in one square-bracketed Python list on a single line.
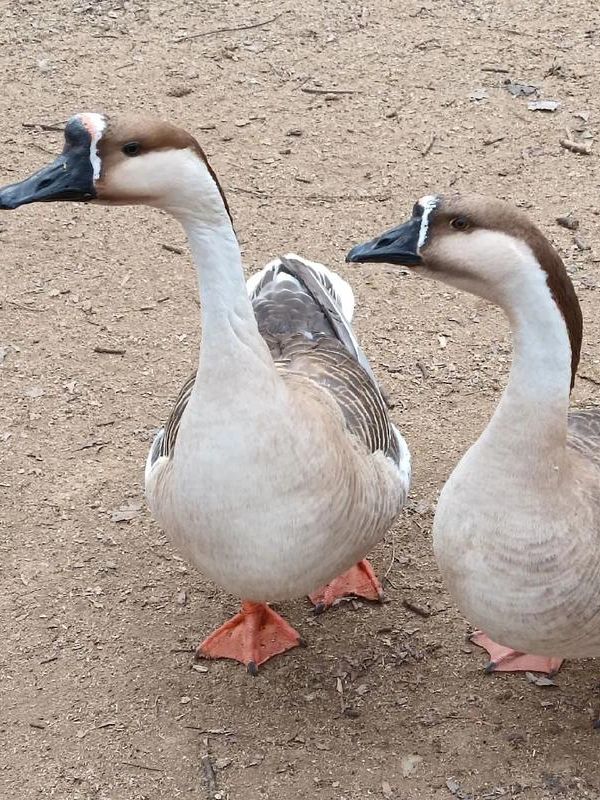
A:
[(460, 224), (131, 149)]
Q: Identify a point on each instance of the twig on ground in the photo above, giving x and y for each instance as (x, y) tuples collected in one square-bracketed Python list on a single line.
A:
[(59, 126), (389, 569), (315, 90), (111, 351), (214, 31), (141, 766), (428, 146)]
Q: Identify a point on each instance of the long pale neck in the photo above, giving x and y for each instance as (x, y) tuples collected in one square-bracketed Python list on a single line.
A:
[(530, 421), (231, 343), (230, 336)]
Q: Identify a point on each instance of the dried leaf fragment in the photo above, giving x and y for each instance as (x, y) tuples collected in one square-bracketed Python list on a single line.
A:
[(539, 680), (543, 105), (520, 89), (410, 763), (126, 513), (478, 95)]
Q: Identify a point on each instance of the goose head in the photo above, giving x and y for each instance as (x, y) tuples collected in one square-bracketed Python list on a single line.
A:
[(481, 245), (127, 160)]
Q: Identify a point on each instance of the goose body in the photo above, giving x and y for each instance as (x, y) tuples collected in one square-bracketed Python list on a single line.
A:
[(279, 467), (517, 525), (255, 476)]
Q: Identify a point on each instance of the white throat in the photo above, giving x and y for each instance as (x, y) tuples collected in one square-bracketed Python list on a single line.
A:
[(534, 405), (180, 183)]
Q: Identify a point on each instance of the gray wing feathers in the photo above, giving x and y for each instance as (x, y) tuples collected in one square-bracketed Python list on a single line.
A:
[(319, 308), (298, 312), (584, 432), (165, 445), (307, 333)]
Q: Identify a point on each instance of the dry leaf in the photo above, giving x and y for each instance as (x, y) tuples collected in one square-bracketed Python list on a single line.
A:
[(409, 764), (125, 514), (543, 105), (539, 680), (478, 95), (520, 89), (255, 761), (34, 392), (456, 789)]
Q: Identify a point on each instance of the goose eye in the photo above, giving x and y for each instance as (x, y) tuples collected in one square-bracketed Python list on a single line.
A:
[(460, 224), (131, 149)]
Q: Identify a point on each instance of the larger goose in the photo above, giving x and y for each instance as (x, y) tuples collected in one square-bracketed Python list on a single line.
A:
[(517, 526), (279, 467)]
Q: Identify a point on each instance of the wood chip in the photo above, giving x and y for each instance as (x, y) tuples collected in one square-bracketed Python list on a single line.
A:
[(112, 351), (179, 91), (576, 147), (415, 608), (181, 597)]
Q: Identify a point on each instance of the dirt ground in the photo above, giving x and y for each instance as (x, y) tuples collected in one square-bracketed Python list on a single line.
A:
[(100, 697)]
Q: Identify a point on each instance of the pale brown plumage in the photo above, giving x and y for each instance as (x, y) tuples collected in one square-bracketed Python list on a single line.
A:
[(517, 526)]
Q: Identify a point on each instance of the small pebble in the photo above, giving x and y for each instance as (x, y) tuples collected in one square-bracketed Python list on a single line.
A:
[(581, 244), (569, 222)]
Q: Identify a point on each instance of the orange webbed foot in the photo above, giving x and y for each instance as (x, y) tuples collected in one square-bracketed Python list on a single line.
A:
[(252, 636), (505, 659), (358, 581)]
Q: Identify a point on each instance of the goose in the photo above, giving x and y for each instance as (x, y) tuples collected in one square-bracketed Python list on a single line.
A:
[(278, 468), (516, 531)]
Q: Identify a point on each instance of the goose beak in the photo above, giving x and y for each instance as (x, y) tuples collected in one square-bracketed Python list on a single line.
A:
[(397, 246), (69, 177)]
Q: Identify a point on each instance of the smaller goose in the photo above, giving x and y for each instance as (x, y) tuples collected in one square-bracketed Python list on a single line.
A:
[(279, 467), (517, 526)]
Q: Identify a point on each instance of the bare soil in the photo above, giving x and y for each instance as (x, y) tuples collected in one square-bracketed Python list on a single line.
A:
[(325, 121)]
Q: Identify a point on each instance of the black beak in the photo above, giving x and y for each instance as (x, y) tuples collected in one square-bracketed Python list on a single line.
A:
[(397, 246), (69, 177)]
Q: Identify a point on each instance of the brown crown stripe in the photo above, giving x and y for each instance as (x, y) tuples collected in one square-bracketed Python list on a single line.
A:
[(152, 134)]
